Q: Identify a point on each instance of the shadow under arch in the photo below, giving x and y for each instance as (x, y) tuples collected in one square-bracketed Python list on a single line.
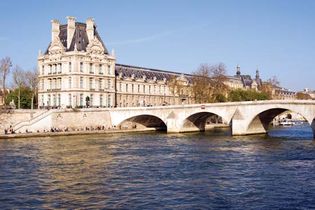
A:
[(261, 122), (198, 121), (144, 121)]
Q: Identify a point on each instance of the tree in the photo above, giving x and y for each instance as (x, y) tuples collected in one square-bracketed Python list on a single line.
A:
[(201, 84), (303, 96), (209, 83), (5, 66), (25, 97), (219, 79), (31, 77), (247, 95), (19, 80), (270, 86)]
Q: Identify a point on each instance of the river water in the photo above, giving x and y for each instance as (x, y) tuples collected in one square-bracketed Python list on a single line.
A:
[(208, 170)]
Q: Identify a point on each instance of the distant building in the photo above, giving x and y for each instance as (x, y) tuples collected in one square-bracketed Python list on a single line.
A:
[(247, 81)]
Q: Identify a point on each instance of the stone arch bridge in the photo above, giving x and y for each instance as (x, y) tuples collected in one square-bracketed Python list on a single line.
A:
[(250, 117)]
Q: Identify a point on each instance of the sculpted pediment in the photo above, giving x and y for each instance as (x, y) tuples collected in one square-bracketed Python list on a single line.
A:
[(56, 47), (95, 47)]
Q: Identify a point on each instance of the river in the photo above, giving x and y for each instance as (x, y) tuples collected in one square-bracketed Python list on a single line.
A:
[(208, 170)]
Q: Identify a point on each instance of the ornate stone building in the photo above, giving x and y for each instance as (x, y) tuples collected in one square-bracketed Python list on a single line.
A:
[(138, 86), (77, 70)]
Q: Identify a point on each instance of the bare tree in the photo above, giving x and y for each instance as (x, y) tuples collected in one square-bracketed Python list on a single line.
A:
[(219, 79), (19, 81), (5, 66), (270, 86), (209, 83), (31, 77), (201, 88)]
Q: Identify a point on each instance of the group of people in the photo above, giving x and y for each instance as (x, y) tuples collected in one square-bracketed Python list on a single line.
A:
[(9, 130), (66, 129)]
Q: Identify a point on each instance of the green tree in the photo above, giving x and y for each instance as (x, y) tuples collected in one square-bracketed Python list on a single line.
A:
[(25, 97), (247, 95)]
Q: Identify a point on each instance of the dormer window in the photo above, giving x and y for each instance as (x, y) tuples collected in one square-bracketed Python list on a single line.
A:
[(91, 68), (81, 66), (101, 69)]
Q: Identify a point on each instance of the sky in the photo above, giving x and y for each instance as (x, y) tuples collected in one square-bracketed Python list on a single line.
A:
[(275, 36)]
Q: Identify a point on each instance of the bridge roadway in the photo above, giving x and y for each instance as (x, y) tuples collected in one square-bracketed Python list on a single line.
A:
[(251, 117)]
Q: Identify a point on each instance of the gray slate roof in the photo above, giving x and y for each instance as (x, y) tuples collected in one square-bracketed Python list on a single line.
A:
[(139, 72), (80, 38)]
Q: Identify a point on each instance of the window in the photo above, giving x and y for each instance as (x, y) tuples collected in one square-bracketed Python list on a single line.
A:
[(59, 100), (70, 67), (60, 68), (132, 88), (109, 100), (50, 69), (126, 87), (149, 89), (81, 99), (59, 83), (143, 88), (100, 84), (81, 66), (138, 88), (91, 84), (43, 102), (100, 69), (55, 68), (70, 100), (43, 84), (43, 69), (54, 100), (70, 82), (81, 82), (108, 69), (91, 100), (101, 100), (108, 84), (50, 84), (120, 86), (91, 68), (49, 100)]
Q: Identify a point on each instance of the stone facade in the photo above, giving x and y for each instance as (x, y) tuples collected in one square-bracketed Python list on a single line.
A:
[(76, 69)]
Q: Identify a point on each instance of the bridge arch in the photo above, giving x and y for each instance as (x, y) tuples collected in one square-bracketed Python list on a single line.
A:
[(198, 121), (143, 121), (259, 122)]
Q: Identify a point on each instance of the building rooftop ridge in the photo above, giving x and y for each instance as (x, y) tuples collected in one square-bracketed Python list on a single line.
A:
[(153, 69)]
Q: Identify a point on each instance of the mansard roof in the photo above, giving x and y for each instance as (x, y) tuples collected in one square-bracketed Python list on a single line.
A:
[(80, 38), (149, 73)]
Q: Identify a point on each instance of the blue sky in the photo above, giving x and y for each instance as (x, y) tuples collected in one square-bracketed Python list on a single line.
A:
[(277, 36)]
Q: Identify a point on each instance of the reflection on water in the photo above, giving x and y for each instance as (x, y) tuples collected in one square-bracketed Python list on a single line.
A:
[(156, 170)]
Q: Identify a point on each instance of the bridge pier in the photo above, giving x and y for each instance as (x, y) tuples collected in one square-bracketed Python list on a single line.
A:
[(244, 127)]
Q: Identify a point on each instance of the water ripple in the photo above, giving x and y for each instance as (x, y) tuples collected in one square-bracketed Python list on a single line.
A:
[(160, 171)]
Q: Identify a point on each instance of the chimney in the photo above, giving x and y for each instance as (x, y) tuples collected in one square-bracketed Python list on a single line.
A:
[(70, 30), (54, 30), (90, 28)]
